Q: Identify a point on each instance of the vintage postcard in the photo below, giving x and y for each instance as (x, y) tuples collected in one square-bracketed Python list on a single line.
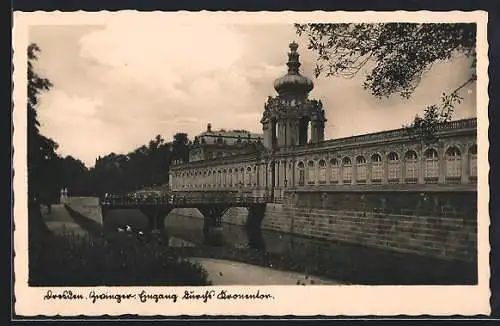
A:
[(267, 163)]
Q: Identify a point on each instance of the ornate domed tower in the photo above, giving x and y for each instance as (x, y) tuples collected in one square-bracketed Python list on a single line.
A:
[(288, 116)]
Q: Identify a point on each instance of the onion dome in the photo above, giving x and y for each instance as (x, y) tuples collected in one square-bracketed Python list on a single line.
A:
[(293, 82)]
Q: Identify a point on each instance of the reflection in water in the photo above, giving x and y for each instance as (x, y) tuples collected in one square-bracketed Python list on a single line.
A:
[(255, 239), (213, 237)]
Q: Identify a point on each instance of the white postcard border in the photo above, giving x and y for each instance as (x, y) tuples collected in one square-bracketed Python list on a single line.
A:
[(349, 300)]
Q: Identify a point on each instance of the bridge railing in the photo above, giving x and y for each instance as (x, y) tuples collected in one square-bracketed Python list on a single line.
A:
[(184, 200)]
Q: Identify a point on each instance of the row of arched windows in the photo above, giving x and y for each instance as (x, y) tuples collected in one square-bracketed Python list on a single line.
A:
[(345, 170), (231, 177)]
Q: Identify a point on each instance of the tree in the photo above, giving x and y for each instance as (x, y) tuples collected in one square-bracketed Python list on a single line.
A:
[(41, 150), (180, 148), (396, 56)]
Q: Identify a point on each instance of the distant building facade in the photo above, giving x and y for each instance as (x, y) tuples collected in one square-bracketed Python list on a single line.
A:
[(292, 152), (211, 144)]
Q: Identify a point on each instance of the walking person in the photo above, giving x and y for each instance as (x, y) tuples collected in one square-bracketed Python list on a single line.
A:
[(62, 198)]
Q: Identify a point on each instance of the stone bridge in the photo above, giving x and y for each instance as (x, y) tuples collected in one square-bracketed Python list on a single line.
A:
[(212, 205)]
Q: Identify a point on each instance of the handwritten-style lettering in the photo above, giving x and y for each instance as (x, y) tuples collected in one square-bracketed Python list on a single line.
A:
[(144, 297), (118, 297), (65, 295)]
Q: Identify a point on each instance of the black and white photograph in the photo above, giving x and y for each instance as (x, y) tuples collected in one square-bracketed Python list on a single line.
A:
[(251, 162)]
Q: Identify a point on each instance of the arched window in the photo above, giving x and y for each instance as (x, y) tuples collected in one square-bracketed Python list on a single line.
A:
[(322, 172), (473, 163), (411, 167), (361, 169), (453, 165), (242, 176), (377, 169), (230, 176), (346, 170), (219, 181), (224, 178), (393, 168), (254, 176), (431, 166), (335, 171), (311, 173), (289, 172), (248, 176), (235, 177), (301, 173)]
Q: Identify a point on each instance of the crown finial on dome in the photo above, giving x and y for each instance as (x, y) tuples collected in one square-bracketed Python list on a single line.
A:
[(293, 59), (293, 82)]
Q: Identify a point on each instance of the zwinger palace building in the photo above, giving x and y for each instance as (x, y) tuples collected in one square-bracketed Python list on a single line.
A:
[(292, 156)]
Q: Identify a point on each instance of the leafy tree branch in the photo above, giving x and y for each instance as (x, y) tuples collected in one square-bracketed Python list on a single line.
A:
[(394, 58), (399, 52)]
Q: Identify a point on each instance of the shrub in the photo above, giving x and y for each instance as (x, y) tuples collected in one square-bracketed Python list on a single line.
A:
[(89, 260)]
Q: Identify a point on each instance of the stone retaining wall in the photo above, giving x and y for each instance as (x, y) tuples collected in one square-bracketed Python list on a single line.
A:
[(441, 237), (86, 206)]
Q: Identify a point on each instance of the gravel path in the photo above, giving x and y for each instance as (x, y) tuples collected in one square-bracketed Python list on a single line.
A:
[(224, 272), (59, 220)]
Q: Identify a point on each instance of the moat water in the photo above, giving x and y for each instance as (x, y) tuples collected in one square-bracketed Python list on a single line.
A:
[(335, 260)]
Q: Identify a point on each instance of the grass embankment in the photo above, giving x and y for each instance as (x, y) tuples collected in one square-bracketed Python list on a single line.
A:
[(91, 260)]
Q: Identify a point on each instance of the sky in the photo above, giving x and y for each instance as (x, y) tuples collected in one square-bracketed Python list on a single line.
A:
[(117, 86)]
